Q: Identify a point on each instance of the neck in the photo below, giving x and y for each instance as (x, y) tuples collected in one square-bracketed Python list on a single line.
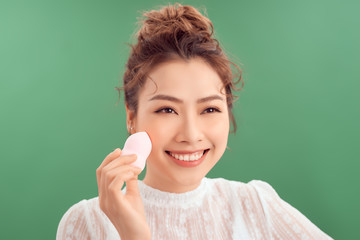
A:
[(171, 186)]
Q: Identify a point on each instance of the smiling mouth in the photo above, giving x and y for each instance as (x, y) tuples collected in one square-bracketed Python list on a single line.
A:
[(188, 157)]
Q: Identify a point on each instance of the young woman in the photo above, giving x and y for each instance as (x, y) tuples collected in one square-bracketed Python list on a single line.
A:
[(178, 88)]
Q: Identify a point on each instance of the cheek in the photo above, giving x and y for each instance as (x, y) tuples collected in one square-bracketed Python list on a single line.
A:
[(219, 132), (160, 131)]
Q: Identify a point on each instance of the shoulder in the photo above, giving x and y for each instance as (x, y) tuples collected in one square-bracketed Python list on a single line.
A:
[(74, 216), (84, 208), (262, 186), (245, 202), (84, 220), (254, 187), (76, 211), (262, 209), (252, 196)]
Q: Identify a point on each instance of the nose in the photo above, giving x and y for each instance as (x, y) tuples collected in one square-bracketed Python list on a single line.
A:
[(190, 130)]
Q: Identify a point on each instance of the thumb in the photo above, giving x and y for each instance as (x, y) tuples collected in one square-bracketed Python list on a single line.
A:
[(132, 187)]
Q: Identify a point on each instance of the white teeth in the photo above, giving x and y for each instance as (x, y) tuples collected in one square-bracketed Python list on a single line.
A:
[(187, 157)]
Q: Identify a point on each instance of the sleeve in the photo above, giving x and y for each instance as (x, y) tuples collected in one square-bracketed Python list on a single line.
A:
[(73, 225), (285, 221)]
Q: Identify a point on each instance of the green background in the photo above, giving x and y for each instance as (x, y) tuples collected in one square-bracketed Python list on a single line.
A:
[(298, 114)]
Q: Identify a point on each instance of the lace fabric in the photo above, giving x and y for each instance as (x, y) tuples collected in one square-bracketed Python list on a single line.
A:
[(217, 209)]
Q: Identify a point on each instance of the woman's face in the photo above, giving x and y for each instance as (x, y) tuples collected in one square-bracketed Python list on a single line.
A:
[(186, 117)]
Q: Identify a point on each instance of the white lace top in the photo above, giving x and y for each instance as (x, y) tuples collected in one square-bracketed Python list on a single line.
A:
[(217, 209)]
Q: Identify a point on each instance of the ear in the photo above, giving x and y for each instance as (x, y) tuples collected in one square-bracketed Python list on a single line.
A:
[(130, 120)]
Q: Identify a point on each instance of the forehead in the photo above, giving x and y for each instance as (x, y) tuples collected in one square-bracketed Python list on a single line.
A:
[(179, 77)]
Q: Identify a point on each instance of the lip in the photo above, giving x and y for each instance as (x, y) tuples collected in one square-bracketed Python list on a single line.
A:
[(188, 152), (188, 164)]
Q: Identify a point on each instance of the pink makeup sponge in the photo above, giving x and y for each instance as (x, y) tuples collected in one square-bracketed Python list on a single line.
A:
[(140, 144)]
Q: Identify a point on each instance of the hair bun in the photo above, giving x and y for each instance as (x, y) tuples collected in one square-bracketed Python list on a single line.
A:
[(175, 20), (176, 32)]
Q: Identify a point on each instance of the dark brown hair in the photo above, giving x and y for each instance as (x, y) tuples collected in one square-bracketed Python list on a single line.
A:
[(176, 32)]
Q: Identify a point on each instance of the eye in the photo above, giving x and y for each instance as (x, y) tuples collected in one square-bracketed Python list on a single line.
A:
[(166, 110), (211, 110)]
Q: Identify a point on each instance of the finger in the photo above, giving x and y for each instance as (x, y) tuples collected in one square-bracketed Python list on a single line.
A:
[(105, 181), (100, 181), (107, 173), (132, 187), (120, 172), (113, 162), (117, 184), (120, 161), (116, 153), (110, 157)]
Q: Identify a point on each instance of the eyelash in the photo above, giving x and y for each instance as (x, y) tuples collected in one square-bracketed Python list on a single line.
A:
[(213, 108), (163, 110), (207, 110)]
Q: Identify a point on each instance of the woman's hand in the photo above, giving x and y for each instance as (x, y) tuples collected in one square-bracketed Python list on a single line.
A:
[(125, 211)]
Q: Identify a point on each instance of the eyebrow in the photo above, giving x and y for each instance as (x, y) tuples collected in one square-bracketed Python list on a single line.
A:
[(177, 100)]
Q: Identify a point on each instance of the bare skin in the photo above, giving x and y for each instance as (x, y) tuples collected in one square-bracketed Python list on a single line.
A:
[(196, 121), (125, 211)]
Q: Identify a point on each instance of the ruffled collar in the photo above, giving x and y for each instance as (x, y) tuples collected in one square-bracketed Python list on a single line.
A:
[(152, 196)]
